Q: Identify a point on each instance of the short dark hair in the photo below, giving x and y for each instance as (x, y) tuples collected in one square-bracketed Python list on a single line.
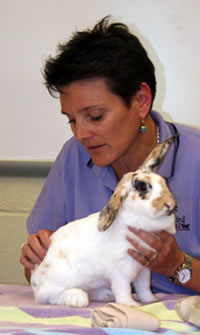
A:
[(108, 51)]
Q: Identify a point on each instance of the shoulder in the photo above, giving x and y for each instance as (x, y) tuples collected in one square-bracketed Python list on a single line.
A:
[(73, 147), (185, 155), (72, 153), (188, 155), (187, 132), (72, 159), (189, 139)]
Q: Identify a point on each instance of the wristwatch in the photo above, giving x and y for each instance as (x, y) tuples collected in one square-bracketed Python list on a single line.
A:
[(184, 272)]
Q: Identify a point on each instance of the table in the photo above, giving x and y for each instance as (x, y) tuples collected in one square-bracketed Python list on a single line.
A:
[(20, 315)]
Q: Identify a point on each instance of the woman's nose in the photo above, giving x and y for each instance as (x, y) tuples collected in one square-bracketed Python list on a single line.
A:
[(81, 132)]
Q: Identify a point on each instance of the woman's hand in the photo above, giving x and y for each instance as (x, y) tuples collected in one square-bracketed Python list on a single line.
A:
[(34, 250), (165, 256)]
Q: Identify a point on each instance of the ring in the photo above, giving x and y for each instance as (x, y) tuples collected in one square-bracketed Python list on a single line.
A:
[(22, 245), (153, 257), (147, 263)]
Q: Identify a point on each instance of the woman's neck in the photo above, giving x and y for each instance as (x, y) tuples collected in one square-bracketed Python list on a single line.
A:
[(143, 145)]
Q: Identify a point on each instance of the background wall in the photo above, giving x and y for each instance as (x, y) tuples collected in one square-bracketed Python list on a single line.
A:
[(31, 126), (18, 195)]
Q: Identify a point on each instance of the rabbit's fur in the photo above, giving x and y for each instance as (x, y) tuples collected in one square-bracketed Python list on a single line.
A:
[(88, 259)]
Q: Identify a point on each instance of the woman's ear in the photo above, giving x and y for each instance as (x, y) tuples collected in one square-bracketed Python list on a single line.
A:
[(143, 99)]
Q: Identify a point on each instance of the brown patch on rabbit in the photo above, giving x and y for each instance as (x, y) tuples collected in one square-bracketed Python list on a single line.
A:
[(133, 196), (163, 200), (156, 157), (62, 255), (45, 265), (110, 211)]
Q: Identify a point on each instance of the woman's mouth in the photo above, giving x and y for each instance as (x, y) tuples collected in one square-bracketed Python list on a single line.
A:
[(95, 147)]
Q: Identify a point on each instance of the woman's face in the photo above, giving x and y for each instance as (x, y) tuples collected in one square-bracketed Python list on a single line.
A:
[(101, 121)]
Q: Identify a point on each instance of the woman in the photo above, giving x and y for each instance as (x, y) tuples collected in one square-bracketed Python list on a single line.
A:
[(106, 84)]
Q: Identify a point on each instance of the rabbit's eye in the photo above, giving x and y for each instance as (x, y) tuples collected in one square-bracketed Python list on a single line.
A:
[(141, 186)]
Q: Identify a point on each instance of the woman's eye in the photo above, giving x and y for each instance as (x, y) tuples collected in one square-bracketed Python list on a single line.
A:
[(96, 118), (71, 121)]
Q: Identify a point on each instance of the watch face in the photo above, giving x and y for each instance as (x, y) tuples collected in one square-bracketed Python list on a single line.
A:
[(184, 276)]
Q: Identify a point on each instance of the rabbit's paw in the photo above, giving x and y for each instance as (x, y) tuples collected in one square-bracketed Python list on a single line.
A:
[(75, 297), (128, 302), (102, 294), (147, 297)]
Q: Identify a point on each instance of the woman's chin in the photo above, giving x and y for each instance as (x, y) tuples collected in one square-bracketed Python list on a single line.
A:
[(101, 161)]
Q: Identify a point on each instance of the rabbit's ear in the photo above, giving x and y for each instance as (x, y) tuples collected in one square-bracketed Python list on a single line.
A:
[(156, 157), (110, 211)]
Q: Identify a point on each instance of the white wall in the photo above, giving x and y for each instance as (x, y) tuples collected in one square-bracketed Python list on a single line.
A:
[(31, 126)]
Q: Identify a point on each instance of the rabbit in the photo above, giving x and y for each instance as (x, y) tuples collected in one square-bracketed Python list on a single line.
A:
[(88, 260)]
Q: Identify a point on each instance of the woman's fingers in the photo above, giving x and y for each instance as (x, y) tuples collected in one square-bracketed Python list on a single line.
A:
[(44, 236), (141, 254), (34, 250), (159, 250)]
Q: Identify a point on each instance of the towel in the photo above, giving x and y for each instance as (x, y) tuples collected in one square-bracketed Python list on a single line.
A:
[(188, 309), (115, 315)]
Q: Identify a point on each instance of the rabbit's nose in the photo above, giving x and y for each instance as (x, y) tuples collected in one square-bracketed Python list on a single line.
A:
[(170, 208)]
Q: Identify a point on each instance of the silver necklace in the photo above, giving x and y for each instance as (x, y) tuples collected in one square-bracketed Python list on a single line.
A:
[(157, 134)]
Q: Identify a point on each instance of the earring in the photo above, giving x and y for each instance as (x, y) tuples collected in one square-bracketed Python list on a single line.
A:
[(143, 128)]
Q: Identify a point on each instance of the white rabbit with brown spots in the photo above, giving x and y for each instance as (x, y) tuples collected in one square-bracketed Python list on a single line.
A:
[(88, 259)]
